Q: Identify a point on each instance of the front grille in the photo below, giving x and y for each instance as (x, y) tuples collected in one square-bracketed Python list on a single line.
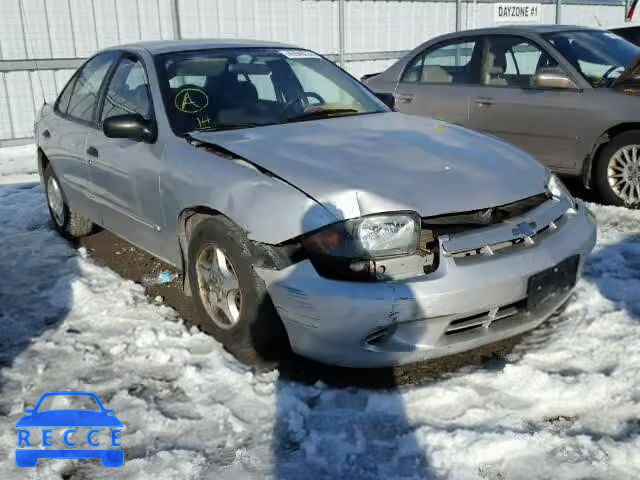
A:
[(459, 222), (503, 247)]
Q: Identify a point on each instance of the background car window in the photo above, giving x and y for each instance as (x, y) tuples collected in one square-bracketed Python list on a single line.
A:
[(514, 62), (454, 63), (84, 99), (128, 91), (264, 85), (181, 80)]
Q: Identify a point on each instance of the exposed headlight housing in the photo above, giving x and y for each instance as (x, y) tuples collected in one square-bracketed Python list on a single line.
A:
[(558, 190), (347, 250)]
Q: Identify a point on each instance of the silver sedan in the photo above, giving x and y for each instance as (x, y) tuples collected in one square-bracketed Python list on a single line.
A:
[(303, 213)]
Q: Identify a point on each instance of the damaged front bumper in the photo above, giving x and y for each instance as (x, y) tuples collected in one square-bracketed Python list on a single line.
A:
[(468, 302)]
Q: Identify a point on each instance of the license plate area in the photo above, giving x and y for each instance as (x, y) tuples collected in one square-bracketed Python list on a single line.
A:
[(552, 284)]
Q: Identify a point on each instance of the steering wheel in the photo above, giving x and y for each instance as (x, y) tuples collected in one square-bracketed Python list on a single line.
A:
[(300, 96), (611, 70)]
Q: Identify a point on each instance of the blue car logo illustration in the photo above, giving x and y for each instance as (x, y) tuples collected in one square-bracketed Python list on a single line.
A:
[(98, 421)]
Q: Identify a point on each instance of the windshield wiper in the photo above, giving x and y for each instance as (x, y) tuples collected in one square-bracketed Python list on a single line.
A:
[(320, 113), (225, 126)]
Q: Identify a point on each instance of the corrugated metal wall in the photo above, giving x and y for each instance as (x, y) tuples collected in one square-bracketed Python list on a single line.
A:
[(74, 29)]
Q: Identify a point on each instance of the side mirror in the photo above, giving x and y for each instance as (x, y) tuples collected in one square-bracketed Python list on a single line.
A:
[(29, 410), (388, 99), (131, 126), (554, 80)]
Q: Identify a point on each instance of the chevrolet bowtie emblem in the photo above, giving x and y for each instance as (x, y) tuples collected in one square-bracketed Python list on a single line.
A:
[(524, 229)]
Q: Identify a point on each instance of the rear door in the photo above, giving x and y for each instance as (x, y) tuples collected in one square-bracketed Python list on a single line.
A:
[(439, 81), (545, 123), (124, 172), (64, 134)]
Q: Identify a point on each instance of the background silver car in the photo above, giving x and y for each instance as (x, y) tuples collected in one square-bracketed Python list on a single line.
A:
[(301, 211), (567, 95)]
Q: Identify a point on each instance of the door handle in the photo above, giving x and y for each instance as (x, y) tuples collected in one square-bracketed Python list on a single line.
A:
[(406, 98), (483, 102), (92, 152), (46, 133)]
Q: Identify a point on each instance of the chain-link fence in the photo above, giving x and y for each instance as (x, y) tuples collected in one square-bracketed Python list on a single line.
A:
[(43, 41)]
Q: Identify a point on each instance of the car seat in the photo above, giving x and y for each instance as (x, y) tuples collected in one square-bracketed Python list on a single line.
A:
[(496, 68), (238, 100)]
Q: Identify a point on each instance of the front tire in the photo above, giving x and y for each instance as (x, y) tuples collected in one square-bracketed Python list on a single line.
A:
[(231, 300), (617, 172), (70, 224)]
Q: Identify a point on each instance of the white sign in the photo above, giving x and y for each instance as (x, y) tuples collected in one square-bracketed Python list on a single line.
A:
[(299, 54), (516, 12)]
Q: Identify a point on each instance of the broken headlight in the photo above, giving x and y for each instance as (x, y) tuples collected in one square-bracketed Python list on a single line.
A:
[(347, 250)]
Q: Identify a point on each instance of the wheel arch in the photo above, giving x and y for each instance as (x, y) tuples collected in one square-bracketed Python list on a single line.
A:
[(43, 161), (187, 220)]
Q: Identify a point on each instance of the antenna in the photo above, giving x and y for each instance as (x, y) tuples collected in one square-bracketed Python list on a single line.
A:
[(596, 19), (26, 26)]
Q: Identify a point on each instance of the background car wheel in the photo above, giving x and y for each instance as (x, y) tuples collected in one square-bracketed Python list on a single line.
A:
[(231, 300), (66, 221), (617, 174)]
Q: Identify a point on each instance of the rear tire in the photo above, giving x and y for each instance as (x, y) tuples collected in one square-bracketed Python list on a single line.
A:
[(617, 171), (68, 223), (231, 300)]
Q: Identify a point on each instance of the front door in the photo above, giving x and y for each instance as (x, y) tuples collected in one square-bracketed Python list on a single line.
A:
[(545, 123), (124, 172), (440, 80)]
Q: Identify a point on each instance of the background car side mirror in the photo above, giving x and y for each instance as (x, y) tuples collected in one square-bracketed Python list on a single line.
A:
[(132, 126), (388, 99), (554, 80)]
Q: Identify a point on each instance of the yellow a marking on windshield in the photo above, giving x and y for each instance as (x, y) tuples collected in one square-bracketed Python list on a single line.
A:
[(186, 101), (191, 100)]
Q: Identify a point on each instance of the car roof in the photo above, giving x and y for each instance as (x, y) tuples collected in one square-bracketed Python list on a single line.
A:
[(166, 46), (623, 26), (539, 29)]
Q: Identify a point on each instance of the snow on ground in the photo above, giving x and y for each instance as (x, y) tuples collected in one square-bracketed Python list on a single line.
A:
[(19, 162), (564, 405)]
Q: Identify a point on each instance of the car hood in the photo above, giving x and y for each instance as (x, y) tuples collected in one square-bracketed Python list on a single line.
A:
[(69, 418), (364, 164)]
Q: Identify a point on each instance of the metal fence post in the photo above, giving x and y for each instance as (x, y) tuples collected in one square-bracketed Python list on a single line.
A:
[(458, 15), (175, 19), (341, 61), (558, 11)]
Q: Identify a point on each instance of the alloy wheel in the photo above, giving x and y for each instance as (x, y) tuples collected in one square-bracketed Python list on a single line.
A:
[(55, 201), (623, 173), (219, 287)]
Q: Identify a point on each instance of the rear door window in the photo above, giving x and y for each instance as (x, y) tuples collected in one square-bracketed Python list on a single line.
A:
[(456, 62)]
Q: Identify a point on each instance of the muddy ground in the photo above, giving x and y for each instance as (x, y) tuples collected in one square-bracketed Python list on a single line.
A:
[(132, 263)]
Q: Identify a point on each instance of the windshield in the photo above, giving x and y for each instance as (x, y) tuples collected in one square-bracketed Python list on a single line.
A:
[(600, 56), (68, 402), (222, 89)]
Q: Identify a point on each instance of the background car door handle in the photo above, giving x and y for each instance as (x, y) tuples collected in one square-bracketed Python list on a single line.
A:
[(406, 98), (483, 102), (46, 134), (92, 152)]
